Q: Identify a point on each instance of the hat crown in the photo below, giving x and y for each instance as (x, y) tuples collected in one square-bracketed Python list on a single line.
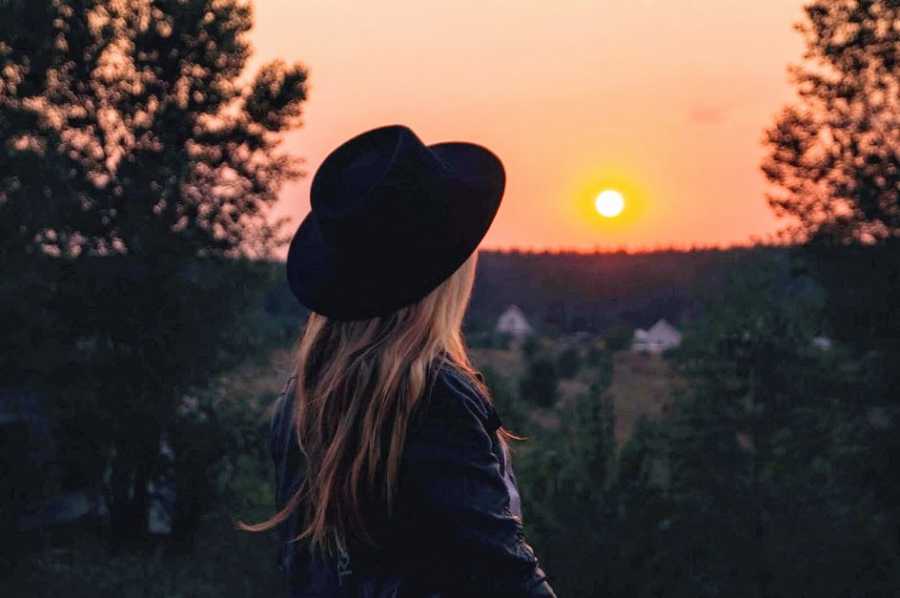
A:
[(380, 182)]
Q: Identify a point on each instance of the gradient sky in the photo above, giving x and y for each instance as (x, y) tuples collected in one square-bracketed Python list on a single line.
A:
[(663, 100)]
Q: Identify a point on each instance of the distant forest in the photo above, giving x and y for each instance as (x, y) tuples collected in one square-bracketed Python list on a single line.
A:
[(568, 292)]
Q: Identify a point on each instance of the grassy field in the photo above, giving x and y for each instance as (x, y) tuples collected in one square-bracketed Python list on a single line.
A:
[(642, 384)]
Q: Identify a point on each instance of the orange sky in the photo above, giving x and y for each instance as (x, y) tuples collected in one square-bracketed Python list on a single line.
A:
[(665, 101)]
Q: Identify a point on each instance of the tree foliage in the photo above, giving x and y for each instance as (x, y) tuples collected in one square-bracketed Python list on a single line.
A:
[(539, 385), (568, 362), (618, 337), (835, 156), (768, 476), (836, 159), (128, 131), (135, 176)]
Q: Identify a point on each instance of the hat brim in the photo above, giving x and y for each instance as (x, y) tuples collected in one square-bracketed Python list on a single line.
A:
[(340, 290)]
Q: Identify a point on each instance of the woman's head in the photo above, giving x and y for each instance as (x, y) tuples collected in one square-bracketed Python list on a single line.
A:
[(390, 217), (357, 385)]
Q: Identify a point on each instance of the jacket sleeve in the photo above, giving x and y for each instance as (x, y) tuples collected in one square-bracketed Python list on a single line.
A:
[(285, 463), (453, 479), (278, 424)]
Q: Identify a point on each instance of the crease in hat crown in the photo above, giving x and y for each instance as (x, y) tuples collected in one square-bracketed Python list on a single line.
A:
[(321, 201)]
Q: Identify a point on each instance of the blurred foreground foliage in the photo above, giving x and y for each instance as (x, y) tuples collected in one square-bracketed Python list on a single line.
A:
[(106, 373), (769, 476)]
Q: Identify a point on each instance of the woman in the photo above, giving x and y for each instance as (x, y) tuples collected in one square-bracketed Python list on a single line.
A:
[(393, 470)]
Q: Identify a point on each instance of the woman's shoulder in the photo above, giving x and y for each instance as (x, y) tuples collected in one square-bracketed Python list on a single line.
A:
[(453, 393)]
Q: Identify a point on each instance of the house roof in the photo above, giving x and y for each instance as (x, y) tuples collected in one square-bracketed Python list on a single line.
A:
[(513, 319), (663, 329)]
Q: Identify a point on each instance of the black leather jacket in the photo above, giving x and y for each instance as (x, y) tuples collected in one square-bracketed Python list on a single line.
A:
[(457, 529)]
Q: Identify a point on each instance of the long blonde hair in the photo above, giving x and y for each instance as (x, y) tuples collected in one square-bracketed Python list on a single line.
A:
[(357, 385)]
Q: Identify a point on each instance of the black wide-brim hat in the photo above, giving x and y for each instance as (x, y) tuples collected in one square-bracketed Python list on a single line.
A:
[(391, 219)]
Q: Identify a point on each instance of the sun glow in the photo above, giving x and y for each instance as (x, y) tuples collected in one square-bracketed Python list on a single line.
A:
[(609, 203)]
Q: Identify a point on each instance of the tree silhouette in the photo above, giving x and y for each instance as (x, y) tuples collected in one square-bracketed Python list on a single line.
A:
[(539, 385), (765, 452), (136, 163), (568, 362), (128, 131), (835, 156)]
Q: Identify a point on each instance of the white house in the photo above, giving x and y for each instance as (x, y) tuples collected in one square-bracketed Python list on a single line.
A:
[(822, 342), (660, 337), (514, 323)]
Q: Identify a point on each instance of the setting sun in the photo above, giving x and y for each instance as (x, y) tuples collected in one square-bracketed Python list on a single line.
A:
[(609, 203)]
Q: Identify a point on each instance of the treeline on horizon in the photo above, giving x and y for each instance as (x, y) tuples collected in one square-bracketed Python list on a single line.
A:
[(569, 292), (564, 292)]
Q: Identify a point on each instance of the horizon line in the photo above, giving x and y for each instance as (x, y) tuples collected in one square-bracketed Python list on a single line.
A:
[(639, 249)]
